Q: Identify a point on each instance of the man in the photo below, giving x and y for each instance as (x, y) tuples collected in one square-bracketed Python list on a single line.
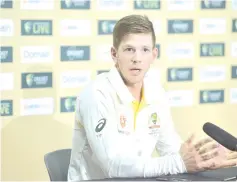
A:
[(123, 118)]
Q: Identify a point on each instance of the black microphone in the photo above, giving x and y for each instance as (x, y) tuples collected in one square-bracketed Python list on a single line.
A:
[(221, 136)]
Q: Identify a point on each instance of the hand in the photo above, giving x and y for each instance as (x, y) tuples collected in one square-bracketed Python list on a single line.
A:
[(212, 153), (190, 155), (229, 159), (197, 157), (214, 156)]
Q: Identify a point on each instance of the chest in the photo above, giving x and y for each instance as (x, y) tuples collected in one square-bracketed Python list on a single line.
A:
[(143, 120)]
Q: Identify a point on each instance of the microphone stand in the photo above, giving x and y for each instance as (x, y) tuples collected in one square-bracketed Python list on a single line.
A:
[(231, 179)]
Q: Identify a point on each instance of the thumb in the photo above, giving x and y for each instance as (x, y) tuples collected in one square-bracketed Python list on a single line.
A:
[(190, 139)]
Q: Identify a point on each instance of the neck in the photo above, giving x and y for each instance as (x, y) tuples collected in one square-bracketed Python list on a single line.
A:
[(136, 90)]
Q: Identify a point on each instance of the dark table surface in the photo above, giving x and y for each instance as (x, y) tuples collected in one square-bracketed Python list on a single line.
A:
[(213, 175)]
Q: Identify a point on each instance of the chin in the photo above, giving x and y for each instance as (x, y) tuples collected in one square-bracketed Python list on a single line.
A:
[(135, 81)]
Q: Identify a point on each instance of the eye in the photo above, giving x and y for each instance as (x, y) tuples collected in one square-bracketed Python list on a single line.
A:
[(146, 50), (129, 49)]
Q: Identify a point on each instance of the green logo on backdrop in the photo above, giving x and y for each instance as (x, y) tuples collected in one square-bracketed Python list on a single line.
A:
[(212, 49), (205, 96), (68, 104), (28, 27), (6, 108), (147, 4), (37, 80), (213, 4), (29, 79), (180, 74), (36, 27), (205, 49), (75, 4), (68, 3), (211, 96), (106, 27), (173, 74)]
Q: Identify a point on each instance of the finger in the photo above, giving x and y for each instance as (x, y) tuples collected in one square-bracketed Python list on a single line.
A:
[(202, 142), (210, 147), (232, 155), (206, 165), (210, 155), (229, 163), (190, 139)]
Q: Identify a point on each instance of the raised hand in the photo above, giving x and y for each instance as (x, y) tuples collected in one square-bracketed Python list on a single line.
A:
[(190, 155), (200, 156)]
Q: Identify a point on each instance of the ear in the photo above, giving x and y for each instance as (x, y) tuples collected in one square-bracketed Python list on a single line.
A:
[(155, 53), (113, 52)]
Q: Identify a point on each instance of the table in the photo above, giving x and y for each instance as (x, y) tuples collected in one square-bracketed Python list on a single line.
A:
[(213, 175)]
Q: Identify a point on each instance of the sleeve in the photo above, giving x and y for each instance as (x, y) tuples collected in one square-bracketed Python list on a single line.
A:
[(116, 156), (169, 141)]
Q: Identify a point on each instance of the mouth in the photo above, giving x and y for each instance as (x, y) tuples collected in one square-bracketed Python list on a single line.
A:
[(135, 70)]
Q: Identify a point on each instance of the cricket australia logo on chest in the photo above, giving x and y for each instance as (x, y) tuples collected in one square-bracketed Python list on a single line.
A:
[(154, 124)]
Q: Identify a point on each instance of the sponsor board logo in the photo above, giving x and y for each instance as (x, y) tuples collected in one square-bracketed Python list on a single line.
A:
[(37, 106), (180, 26), (67, 104), (37, 54), (6, 107), (146, 4), (180, 98), (106, 27), (5, 3), (210, 26), (212, 73), (180, 74), (234, 4), (108, 5), (6, 27), (75, 78), (71, 28), (6, 54), (212, 49), (234, 25), (213, 4), (75, 4), (211, 96), (36, 27), (180, 5), (75, 53), (181, 50), (234, 72), (234, 49), (37, 4), (36, 80), (233, 95)]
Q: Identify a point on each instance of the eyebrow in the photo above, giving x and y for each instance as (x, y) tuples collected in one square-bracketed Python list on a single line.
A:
[(128, 45)]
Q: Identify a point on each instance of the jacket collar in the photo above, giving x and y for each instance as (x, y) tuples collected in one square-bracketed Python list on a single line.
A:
[(121, 89), (151, 89)]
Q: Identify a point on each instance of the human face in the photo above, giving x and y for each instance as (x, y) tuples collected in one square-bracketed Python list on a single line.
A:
[(134, 56)]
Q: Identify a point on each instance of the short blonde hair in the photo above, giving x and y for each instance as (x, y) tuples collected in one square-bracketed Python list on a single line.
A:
[(132, 24)]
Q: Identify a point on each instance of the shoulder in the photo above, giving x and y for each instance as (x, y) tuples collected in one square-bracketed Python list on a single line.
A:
[(96, 91)]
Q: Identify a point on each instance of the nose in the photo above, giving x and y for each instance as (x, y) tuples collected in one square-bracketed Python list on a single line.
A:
[(136, 57)]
